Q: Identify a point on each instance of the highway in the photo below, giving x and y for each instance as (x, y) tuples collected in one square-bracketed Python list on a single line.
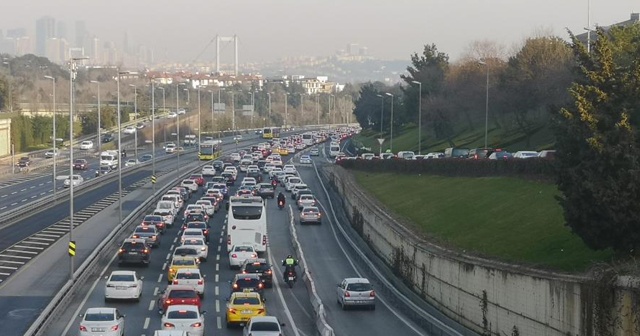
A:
[(291, 305)]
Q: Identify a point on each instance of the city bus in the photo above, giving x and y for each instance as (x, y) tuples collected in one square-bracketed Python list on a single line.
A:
[(247, 222), (308, 139), (271, 133), (209, 150)]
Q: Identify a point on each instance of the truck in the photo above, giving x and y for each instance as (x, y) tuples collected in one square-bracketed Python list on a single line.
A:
[(110, 158)]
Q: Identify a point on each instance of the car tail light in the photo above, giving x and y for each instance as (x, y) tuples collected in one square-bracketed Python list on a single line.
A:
[(196, 325), (260, 285), (264, 240), (232, 311), (115, 327), (169, 325), (346, 294), (200, 282), (234, 255), (168, 302), (83, 328), (260, 311), (175, 282), (122, 250), (146, 251), (235, 285), (268, 272), (372, 294)]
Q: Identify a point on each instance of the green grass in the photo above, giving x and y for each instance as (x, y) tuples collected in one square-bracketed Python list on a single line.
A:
[(509, 219)]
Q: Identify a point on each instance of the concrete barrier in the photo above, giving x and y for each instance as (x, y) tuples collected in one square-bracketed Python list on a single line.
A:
[(490, 297)]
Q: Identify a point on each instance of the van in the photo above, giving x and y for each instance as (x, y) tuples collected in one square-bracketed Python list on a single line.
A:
[(170, 333), (334, 150), (458, 153), (406, 155)]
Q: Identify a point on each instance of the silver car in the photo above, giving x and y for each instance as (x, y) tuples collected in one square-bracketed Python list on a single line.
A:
[(356, 292), (310, 215), (102, 322), (306, 201)]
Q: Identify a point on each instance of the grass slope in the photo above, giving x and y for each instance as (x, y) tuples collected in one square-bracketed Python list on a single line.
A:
[(511, 219)]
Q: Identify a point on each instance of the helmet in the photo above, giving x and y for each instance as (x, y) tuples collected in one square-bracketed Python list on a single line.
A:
[(289, 256)]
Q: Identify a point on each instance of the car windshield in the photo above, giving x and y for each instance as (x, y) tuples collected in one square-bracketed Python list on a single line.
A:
[(256, 268), (153, 219), (359, 287), (246, 301), (243, 249), (183, 294), (99, 317), (182, 314), (194, 218), (185, 251), (184, 262), (133, 246), (248, 282), (265, 326), (122, 277), (193, 242), (196, 225), (188, 275)]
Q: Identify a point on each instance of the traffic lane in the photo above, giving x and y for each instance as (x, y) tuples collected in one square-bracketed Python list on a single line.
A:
[(143, 318), (328, 256)]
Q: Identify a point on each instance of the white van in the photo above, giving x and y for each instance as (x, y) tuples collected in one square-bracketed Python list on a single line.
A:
[(334, 149)]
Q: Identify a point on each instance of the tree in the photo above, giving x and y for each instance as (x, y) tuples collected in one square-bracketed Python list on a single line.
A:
[(368, 106), (598, 144)]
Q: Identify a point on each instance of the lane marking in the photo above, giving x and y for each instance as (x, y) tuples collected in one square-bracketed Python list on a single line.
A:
[(276, 285), (219, 321), (152, 304), (164, 266), (159, 280), (217, 291), (146, 323), (217, 306)]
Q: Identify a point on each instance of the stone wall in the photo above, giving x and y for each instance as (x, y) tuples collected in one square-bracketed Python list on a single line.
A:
[(490, 297)]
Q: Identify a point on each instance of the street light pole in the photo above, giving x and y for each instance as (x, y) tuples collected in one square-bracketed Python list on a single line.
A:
[(391, 140), (486, 106), (420, 117), (99, 117), (253, 103), (381, 113), (269, 96), (318, 108), (286, 102), (119, 121), (178, 123), (199, 118), (135, 117), (8, 63), (164, 109), (301, 109), (53, 139), (153, 131)]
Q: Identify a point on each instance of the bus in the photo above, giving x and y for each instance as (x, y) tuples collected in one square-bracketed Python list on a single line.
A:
[(271, 133), (308, 139), (209, 150), (247, 223)]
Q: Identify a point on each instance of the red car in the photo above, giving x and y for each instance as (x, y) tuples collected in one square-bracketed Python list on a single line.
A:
[(178, 295), (156, 220), (198, 178), (80, 164)]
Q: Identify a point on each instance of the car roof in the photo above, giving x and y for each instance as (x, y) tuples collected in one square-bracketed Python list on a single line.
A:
[(245, 294), (264, 319), (255, 260), (96, 310), (183, 307), (356, 280), (189, 270), (135, 240), (123, 272)]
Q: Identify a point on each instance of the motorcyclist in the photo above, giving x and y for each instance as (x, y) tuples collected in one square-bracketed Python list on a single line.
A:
[(289, 264), (274, 183), (281, 199)]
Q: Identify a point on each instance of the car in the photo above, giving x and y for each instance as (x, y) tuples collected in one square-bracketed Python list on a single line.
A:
[(149, 233), (179, 262), (290, 169), (310, 214), (190, 277), (24, 161), (123, 285), (247, 283), (87, 144), (192, 233), (190, 184), (107, 138), (103, 170), (80, 164), (182, 111), (102, 321), (176, 294), (261, 267), (239, 253), (525, 154), (305, 159), (186, 251), (200, 245), (172, 115), (229, 177), (209, 208), (170, 148), (266, 190), (356, 292), (170, 333), (314, 152), (194, 217), (263, 326), (77, 180), (184, 317), (305, 201), (241, 307), (145, 158), (290, 182), (131, 162), (156, 221), (296, 188), (198, 178), (237, 137), (548, 154), (51, 153), (208, 170), (129, 130), (500, 155), (291, 149), (194, 209), (140, 125)]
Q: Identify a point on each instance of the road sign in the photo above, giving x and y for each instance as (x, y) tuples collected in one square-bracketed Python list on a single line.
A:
[(153, 179), (72, 248), (380, 140)]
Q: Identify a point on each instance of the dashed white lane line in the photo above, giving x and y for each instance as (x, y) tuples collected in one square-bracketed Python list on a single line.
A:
[(4, 207), (164, 266), (24, 200), (152, 304), (155, 291), (146, 323), (217, 290), (168, 256), (217, 306), (14, 203), (220, 240), (3, 196), (219, 322), (25, 189), (159, 279)]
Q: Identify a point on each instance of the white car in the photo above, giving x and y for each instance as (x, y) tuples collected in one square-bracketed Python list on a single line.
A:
[(239, 253), (296, 188), (87, 144), (314, 152), (290, 169), (191, 185), (123, 285), (291, 150), (249, 180), (273, 171), (129, 130), (263, 326), (525, 154), (305, 159), (170, 148), (51, 153), (102, 321), (192, 234), (290, 182), (208, 170), (235, 157), (209, 208), (182, 111), (77, 180), (172, 115), (193, 208), (190, 277), (237, 137), (184, 317), (200, 245), (131, 163)]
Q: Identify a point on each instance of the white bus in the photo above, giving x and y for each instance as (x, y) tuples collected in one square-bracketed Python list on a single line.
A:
[(307, 139), (247, 222), (334, 149)]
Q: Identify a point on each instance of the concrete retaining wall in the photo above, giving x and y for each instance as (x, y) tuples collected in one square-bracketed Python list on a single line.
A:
[(490, 297)]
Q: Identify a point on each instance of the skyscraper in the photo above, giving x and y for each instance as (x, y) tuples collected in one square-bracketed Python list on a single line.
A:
[(45, 29), (82, 36), (61, 31)]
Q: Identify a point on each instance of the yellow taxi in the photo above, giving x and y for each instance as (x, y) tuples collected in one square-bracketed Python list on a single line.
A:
[(283, 151), (180, 262), (242, 306)]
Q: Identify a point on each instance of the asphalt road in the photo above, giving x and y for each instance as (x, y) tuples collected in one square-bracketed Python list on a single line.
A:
[(291, 305)]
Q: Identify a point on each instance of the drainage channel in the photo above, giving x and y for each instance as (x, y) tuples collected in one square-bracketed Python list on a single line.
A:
[(20, 253)]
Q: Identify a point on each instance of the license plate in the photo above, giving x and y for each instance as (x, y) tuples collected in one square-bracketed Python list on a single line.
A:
[(133, 252), (121, 288), (247, 290), (290, 278), (98, 329), (246, 311)]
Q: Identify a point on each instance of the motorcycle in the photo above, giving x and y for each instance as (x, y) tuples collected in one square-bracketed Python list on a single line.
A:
[(291, 278), (280, 204)]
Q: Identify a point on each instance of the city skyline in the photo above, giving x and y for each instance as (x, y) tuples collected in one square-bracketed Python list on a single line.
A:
[(287, 28)]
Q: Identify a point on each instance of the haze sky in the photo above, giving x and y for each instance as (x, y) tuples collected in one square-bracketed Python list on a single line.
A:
[(272, 29)]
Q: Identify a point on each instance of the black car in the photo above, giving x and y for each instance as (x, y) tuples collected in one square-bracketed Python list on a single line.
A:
[(218, 165), (155, 220), (266, 190), (261, 267), (194, 217), (247, 283), (228, 176), (107, 138), (24, 161), (145, 158), (134, 251), (261, 163), (256, 174)]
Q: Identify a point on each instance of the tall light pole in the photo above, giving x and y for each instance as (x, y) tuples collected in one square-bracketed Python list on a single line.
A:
[(99, 118), (164, 109), (119, 121), (135, 115), (269, 112), (318, 108), (381, 113), (391, 137), (253, 102), (331, 98), (212, 131), (72, 74), (420, 116), (178, 123), (8, 63), (286, 103), (301, 108), (233, 114), (199, 118), (486, 106), (153, 131), (53, 139)]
